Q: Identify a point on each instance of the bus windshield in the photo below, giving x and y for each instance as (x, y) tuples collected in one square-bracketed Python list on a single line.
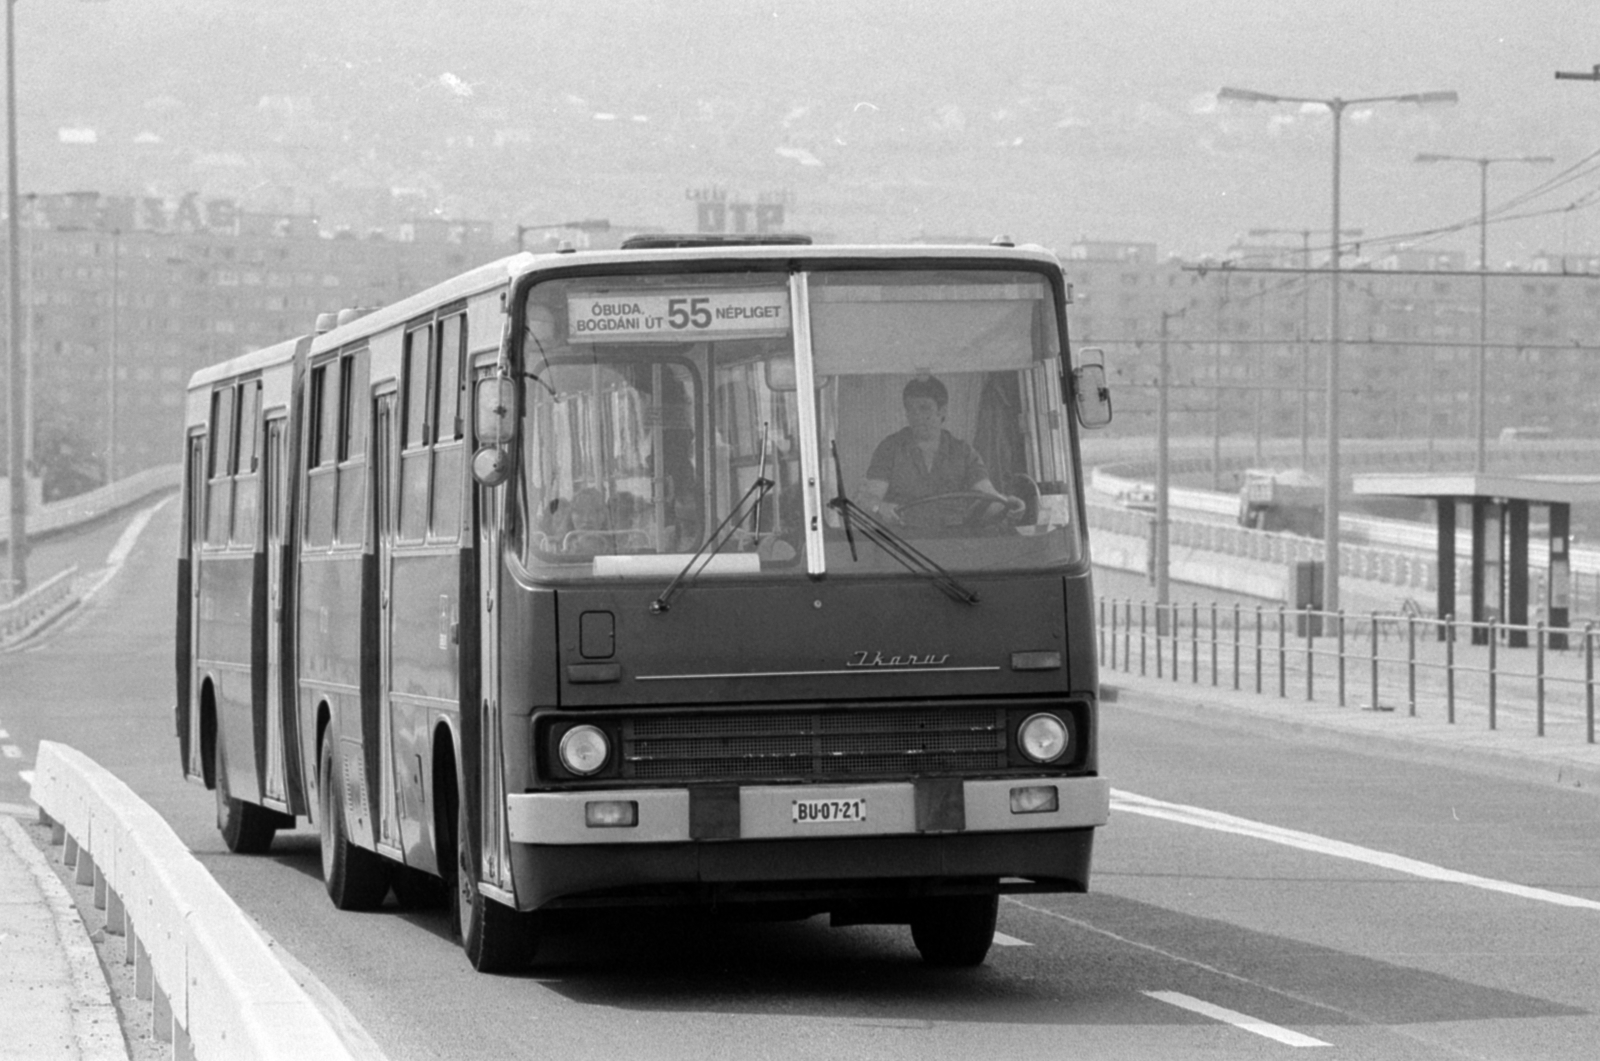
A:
[(664, 413)]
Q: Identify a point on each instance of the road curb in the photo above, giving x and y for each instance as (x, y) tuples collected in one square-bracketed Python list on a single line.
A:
[(1456, 747)]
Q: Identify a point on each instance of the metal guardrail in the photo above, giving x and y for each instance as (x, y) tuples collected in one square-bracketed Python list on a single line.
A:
[(1535, 677), (217, 989), (37, 606)]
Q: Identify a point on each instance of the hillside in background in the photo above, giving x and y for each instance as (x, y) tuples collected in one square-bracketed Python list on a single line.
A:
[(880, 120)]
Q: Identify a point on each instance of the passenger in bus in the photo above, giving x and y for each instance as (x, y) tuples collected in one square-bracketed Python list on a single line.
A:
[(924, 460)]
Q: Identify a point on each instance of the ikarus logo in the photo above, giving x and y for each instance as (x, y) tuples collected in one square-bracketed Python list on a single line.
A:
[(867, 658)]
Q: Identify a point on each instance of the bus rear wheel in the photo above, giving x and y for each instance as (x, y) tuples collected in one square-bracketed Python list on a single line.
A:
[(356, 879), (246, 828), (497, 939), (955, 931)]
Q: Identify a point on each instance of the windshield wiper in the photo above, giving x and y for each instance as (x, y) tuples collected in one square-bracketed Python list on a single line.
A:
[(886, 538), (713, 544)]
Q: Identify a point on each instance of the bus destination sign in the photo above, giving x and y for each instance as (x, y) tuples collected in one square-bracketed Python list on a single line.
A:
[(677, 316)]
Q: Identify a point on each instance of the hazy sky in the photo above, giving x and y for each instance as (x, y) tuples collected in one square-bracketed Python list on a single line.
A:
[(1086, 117)]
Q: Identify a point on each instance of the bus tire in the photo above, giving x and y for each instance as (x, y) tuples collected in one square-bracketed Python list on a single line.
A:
[(246, 828), (955, 931), (356, 879), (497, 939)]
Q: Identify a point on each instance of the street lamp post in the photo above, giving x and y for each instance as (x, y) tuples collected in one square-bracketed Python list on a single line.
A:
[(17, 544), (1480, 410), (1336, 107)]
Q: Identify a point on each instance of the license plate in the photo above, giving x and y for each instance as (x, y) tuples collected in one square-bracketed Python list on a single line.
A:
[(828, 811)]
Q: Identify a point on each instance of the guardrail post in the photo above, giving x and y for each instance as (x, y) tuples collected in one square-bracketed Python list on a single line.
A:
[(1311, 659), (1494, 644), (1143, 626), (1235, 646), (1339, 621), (1213, 644), (1588, 679), (1258, 649), (1538, 675), (1411, 664), (1194, 645), (1127, 634), (1283, 652), (1373, 640), (1175, 626), (1450, 669)]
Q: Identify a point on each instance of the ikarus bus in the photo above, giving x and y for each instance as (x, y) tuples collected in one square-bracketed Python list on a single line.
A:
[(739, 574)]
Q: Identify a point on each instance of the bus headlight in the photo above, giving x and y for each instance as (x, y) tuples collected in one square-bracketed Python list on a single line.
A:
[(584, 749), (1043, 738)]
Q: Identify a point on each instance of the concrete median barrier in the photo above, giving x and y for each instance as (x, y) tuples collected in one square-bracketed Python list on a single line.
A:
[(219, 990)]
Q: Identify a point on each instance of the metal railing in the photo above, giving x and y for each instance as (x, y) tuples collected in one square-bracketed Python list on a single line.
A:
[(40, 604), (1536, 678)]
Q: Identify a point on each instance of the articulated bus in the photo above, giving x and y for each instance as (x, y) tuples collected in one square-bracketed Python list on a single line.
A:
[(748, 575)]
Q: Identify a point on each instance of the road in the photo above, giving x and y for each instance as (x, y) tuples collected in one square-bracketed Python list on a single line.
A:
[(1252, 895)]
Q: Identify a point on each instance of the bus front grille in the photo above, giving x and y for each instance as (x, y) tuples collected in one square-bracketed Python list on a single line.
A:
[(861, 742)]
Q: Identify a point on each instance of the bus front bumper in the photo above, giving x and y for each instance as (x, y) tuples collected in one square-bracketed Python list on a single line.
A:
[(934, 806)]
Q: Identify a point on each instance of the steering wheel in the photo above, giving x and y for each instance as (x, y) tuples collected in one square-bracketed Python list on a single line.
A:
[(982, 509)]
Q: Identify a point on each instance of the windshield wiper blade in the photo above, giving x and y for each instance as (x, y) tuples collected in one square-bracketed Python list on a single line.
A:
[(909, 556), (714, 543)]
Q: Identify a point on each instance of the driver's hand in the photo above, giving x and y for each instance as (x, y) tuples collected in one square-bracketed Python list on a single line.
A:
[(887, 511), (1015, 505)]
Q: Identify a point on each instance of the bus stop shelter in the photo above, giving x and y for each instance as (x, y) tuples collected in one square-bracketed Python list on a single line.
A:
[(1498, 506)]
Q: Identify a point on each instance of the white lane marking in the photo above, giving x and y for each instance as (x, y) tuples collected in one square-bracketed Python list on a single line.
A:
[(10, 751), (1004, 940), (1235, 1018), (1201, 818), (4, 734)]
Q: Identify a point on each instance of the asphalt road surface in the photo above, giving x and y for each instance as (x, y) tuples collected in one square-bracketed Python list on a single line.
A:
[(1252, 896)]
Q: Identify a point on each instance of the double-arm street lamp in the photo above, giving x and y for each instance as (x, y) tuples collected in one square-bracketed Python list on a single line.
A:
[(1480, 386), (1336, 107)]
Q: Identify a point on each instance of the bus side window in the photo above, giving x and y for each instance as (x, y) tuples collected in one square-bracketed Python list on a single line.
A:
[(350, 439), (415, 459), (321, 450), (449, 455), (219, 492), (246, 481)]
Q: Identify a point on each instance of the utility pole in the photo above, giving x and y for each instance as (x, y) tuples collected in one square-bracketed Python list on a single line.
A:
[(1163, 526)]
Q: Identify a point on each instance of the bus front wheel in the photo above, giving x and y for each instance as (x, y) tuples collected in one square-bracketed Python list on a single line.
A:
[(955, 931), (497, 939), (356, 879)]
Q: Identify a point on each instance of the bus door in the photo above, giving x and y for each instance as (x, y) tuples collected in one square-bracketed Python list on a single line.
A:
[(274, 482), (386, 525), (485, 689), (194, 531)]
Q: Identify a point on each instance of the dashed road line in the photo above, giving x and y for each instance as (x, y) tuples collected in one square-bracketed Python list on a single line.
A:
[(1242, 1021), (1132, 803), (1003, 940), (10, 751)]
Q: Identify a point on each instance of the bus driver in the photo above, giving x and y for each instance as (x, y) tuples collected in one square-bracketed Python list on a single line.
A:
[(923, 460)]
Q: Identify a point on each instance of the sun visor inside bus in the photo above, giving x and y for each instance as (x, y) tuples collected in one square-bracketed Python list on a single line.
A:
[(853, 333)]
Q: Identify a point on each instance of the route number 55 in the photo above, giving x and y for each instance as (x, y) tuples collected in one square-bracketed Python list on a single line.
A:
[(689, 312)]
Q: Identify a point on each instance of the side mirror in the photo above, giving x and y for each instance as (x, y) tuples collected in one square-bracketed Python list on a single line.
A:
[(490, 466), (1089, 390), (496, 420)]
